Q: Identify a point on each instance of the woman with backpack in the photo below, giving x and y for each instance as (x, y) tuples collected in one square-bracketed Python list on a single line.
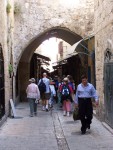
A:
[(66, 96)]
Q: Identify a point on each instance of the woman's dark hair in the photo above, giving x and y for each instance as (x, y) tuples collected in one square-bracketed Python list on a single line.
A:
[(83, 76)]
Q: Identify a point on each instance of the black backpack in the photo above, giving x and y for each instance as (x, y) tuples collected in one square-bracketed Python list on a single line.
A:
[(42, 86)]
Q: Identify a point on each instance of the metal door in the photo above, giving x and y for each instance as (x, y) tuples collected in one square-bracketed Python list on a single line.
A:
[(108, 91), (2, 99)]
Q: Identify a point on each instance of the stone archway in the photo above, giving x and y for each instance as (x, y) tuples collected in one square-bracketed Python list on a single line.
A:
[(24, 63)]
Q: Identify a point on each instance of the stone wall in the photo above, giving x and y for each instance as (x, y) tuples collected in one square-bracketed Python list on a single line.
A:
[(3, 41), (36, 16), (103, 40), (6, 41)]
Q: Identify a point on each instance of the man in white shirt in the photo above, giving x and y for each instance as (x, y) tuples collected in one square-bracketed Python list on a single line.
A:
[(85, 91), (46, 95)]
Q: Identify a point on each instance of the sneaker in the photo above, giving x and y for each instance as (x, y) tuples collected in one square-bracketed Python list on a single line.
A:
[(31, 115), (68, 114), (64, 114), (35, 113), (46, 106)]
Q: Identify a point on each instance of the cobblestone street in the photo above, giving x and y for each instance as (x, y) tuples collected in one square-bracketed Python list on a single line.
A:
[(51, 131)]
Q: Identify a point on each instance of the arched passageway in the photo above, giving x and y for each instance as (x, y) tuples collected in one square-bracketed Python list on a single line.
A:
[(24, 63), (62, 33), (2, 94)]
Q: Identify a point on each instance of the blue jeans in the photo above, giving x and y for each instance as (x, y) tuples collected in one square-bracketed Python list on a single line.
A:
[(33, 105)]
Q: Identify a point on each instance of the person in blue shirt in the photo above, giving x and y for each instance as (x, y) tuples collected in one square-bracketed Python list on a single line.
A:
[(85, 91)]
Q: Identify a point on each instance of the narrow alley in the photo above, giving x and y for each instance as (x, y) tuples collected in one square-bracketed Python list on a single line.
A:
[(56, 51), (51, 131)]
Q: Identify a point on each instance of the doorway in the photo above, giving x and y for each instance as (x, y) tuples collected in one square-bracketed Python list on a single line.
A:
[(108, 87), (2, 94)]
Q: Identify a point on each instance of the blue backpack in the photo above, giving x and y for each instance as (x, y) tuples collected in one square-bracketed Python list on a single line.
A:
[(42, 86)]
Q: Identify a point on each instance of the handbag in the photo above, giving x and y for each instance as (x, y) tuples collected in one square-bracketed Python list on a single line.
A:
[(37, 101), (76, 114)]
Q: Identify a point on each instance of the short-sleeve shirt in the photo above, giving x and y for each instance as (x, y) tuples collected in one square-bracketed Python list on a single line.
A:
[(47, 83)]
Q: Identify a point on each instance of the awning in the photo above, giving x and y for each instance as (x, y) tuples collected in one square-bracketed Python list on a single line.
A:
[(68, 56), (59, 65), (47, 70), (73, 47), (42, 57), (71, 53)]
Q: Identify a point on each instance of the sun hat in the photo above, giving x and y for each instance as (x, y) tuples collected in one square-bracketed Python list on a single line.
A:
[(32, 80), (65, 79)]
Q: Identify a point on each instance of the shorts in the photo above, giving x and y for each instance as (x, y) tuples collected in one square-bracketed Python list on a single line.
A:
[(66, 98), (45, 96)]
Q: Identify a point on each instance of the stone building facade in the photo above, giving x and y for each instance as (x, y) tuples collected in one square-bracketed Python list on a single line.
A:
[(6, 42), (103, 44), (37, 20), (39, 16), (27, 23)]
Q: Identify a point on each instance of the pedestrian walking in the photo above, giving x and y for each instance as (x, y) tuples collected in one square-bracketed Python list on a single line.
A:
[(85, 91), (66, 96), (72, 84), (58, 92), (53, 93), (56, 87), (45, 96), (33, 93)]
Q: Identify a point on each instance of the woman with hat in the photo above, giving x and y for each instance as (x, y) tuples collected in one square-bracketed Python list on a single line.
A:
[(32, 94)]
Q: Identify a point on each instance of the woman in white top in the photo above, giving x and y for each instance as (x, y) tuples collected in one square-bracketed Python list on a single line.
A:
[(32, 94)]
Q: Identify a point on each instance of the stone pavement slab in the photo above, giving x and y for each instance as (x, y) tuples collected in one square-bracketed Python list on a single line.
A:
[(51, 131), (28, 133), (97, 138)]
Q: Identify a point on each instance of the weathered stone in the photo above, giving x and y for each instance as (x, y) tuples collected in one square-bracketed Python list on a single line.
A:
[(33, 18), (103, 39), (55, 14)]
